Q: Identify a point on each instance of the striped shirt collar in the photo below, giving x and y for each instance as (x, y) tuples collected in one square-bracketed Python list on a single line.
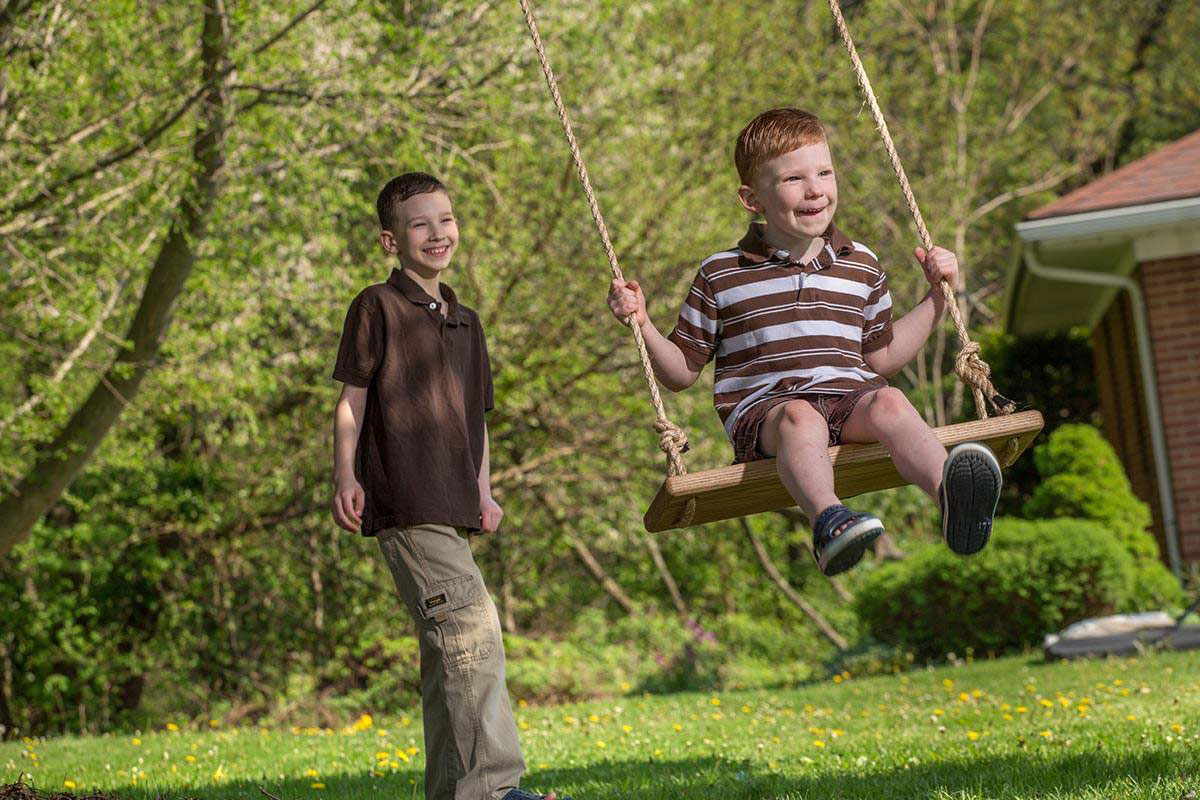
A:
[(755, 251)]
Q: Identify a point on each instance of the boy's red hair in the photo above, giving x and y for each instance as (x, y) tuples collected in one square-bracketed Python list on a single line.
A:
[(771, 134)]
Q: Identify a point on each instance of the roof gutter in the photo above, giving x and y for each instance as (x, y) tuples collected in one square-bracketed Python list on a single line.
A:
[(1158, 439), (1110, 220)]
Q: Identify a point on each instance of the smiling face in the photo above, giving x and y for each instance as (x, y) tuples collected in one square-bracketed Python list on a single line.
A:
[(797, 195), (425, 233)]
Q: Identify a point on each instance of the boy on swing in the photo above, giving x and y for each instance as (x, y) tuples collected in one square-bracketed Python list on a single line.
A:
[(798, 317)]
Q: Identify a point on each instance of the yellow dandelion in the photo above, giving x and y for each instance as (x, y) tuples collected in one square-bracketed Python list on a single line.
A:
[(523, 725), (383, 755), (316, 785), (600, 744), (716, 715), (212, 723), (191, 759), (715, 701), (973, 735), (627, 728), (746, 709), (68, 784), (522, 703), (1131, 718), (625, 686), (837, 678), (949, 684), (403, 756), (311, 773), (677, 727), (963, 697), (1008, 717), (412, 751), (1177, 728), (363, 723), (977, 693), (593, 718), (137, 742), (1046, 734), (171, 726), (1047, 702), (405, 721), (937, 712), (1022, 710), (818, 743)]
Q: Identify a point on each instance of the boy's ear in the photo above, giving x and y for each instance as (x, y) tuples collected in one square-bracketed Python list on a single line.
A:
[(388, 241), (748, 199)]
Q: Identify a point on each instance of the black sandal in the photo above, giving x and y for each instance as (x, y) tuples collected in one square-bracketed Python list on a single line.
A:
[(841, 536), (969, 493)]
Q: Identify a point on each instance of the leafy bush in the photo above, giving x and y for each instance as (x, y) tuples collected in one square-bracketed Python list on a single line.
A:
[(1035, 577), (1082, 478)]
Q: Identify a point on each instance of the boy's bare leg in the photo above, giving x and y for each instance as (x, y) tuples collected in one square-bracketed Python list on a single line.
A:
[(798, 437), (887, 417)]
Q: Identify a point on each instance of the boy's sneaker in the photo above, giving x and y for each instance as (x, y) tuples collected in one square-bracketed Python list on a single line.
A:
[(841, 536), (968, 496), (521, 794)]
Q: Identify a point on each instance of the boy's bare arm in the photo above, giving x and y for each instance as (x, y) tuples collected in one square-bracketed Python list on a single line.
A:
[(348, 496), (670, 366), (490, 512), (910, 332)]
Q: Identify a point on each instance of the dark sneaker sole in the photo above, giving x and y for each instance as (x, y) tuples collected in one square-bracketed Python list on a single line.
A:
[(971, 484), (847, 549)]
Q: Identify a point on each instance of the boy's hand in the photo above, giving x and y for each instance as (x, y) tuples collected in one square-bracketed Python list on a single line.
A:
[(625, 298), (348, 502), (490, 514), (939, 263)]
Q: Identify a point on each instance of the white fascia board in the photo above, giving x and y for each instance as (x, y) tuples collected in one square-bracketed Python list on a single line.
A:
[(1110, 220)]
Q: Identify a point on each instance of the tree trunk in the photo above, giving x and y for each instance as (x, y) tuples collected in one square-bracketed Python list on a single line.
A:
[(58, 464), (611, 587), (790, 593), (661, 565)]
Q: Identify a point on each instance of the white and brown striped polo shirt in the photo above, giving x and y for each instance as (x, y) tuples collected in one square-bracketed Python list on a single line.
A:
[(780, 327)]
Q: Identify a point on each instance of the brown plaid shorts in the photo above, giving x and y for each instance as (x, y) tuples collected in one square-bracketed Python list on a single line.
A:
[(835, 408)]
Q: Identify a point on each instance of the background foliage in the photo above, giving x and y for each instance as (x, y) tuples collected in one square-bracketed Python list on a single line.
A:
[(192, 566)]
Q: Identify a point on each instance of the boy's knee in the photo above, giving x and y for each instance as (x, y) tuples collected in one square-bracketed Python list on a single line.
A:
[(888, 403), (800, 414)]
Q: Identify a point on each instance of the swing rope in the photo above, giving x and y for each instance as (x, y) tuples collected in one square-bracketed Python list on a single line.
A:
[(972, 370), (671, 438)]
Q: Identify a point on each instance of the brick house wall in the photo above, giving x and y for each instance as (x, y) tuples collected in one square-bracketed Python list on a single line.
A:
[(1172, 290), (1123, 405)]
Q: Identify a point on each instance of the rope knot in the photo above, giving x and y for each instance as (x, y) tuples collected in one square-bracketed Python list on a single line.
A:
[(671, 438)]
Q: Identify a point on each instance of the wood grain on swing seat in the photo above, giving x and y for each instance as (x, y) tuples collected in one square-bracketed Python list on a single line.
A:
[(743, 489)]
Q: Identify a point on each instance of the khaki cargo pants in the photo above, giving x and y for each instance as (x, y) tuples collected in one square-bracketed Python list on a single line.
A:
[(471, 747)]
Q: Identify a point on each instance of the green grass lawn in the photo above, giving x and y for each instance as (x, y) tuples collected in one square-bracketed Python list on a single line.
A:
[(1012, 728)]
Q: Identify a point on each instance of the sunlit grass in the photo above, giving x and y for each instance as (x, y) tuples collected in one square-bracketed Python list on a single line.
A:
[(1013, 728)]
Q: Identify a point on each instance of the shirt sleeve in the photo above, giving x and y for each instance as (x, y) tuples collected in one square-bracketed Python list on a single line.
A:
[(877, 316), (362, 343), (698, 330)]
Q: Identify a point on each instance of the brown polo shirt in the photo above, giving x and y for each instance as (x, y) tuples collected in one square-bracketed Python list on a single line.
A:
[(428, 384)]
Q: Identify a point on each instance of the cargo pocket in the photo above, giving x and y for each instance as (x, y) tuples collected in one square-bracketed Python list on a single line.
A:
[(460, 611)]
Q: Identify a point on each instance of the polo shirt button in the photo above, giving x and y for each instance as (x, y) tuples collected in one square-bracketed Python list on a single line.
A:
[(433, 306)]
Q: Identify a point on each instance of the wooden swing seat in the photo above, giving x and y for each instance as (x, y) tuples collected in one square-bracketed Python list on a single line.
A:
[(751, 488)]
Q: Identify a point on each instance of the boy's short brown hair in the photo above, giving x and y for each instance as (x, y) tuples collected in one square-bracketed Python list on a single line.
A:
[(771, 134), (399, 189)]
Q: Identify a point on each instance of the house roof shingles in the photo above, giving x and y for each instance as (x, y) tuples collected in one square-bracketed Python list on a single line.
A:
[(1170, 173)]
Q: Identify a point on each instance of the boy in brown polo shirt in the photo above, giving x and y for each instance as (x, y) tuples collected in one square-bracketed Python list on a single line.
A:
[(411, 467), (799, 319)]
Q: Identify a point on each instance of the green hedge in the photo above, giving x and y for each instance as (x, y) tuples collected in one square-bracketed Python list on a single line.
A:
[(1035, 577), (1082, 478)]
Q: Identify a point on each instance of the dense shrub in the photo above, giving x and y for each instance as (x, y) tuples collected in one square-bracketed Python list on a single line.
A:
[(1035, 577), (1082, 478)]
